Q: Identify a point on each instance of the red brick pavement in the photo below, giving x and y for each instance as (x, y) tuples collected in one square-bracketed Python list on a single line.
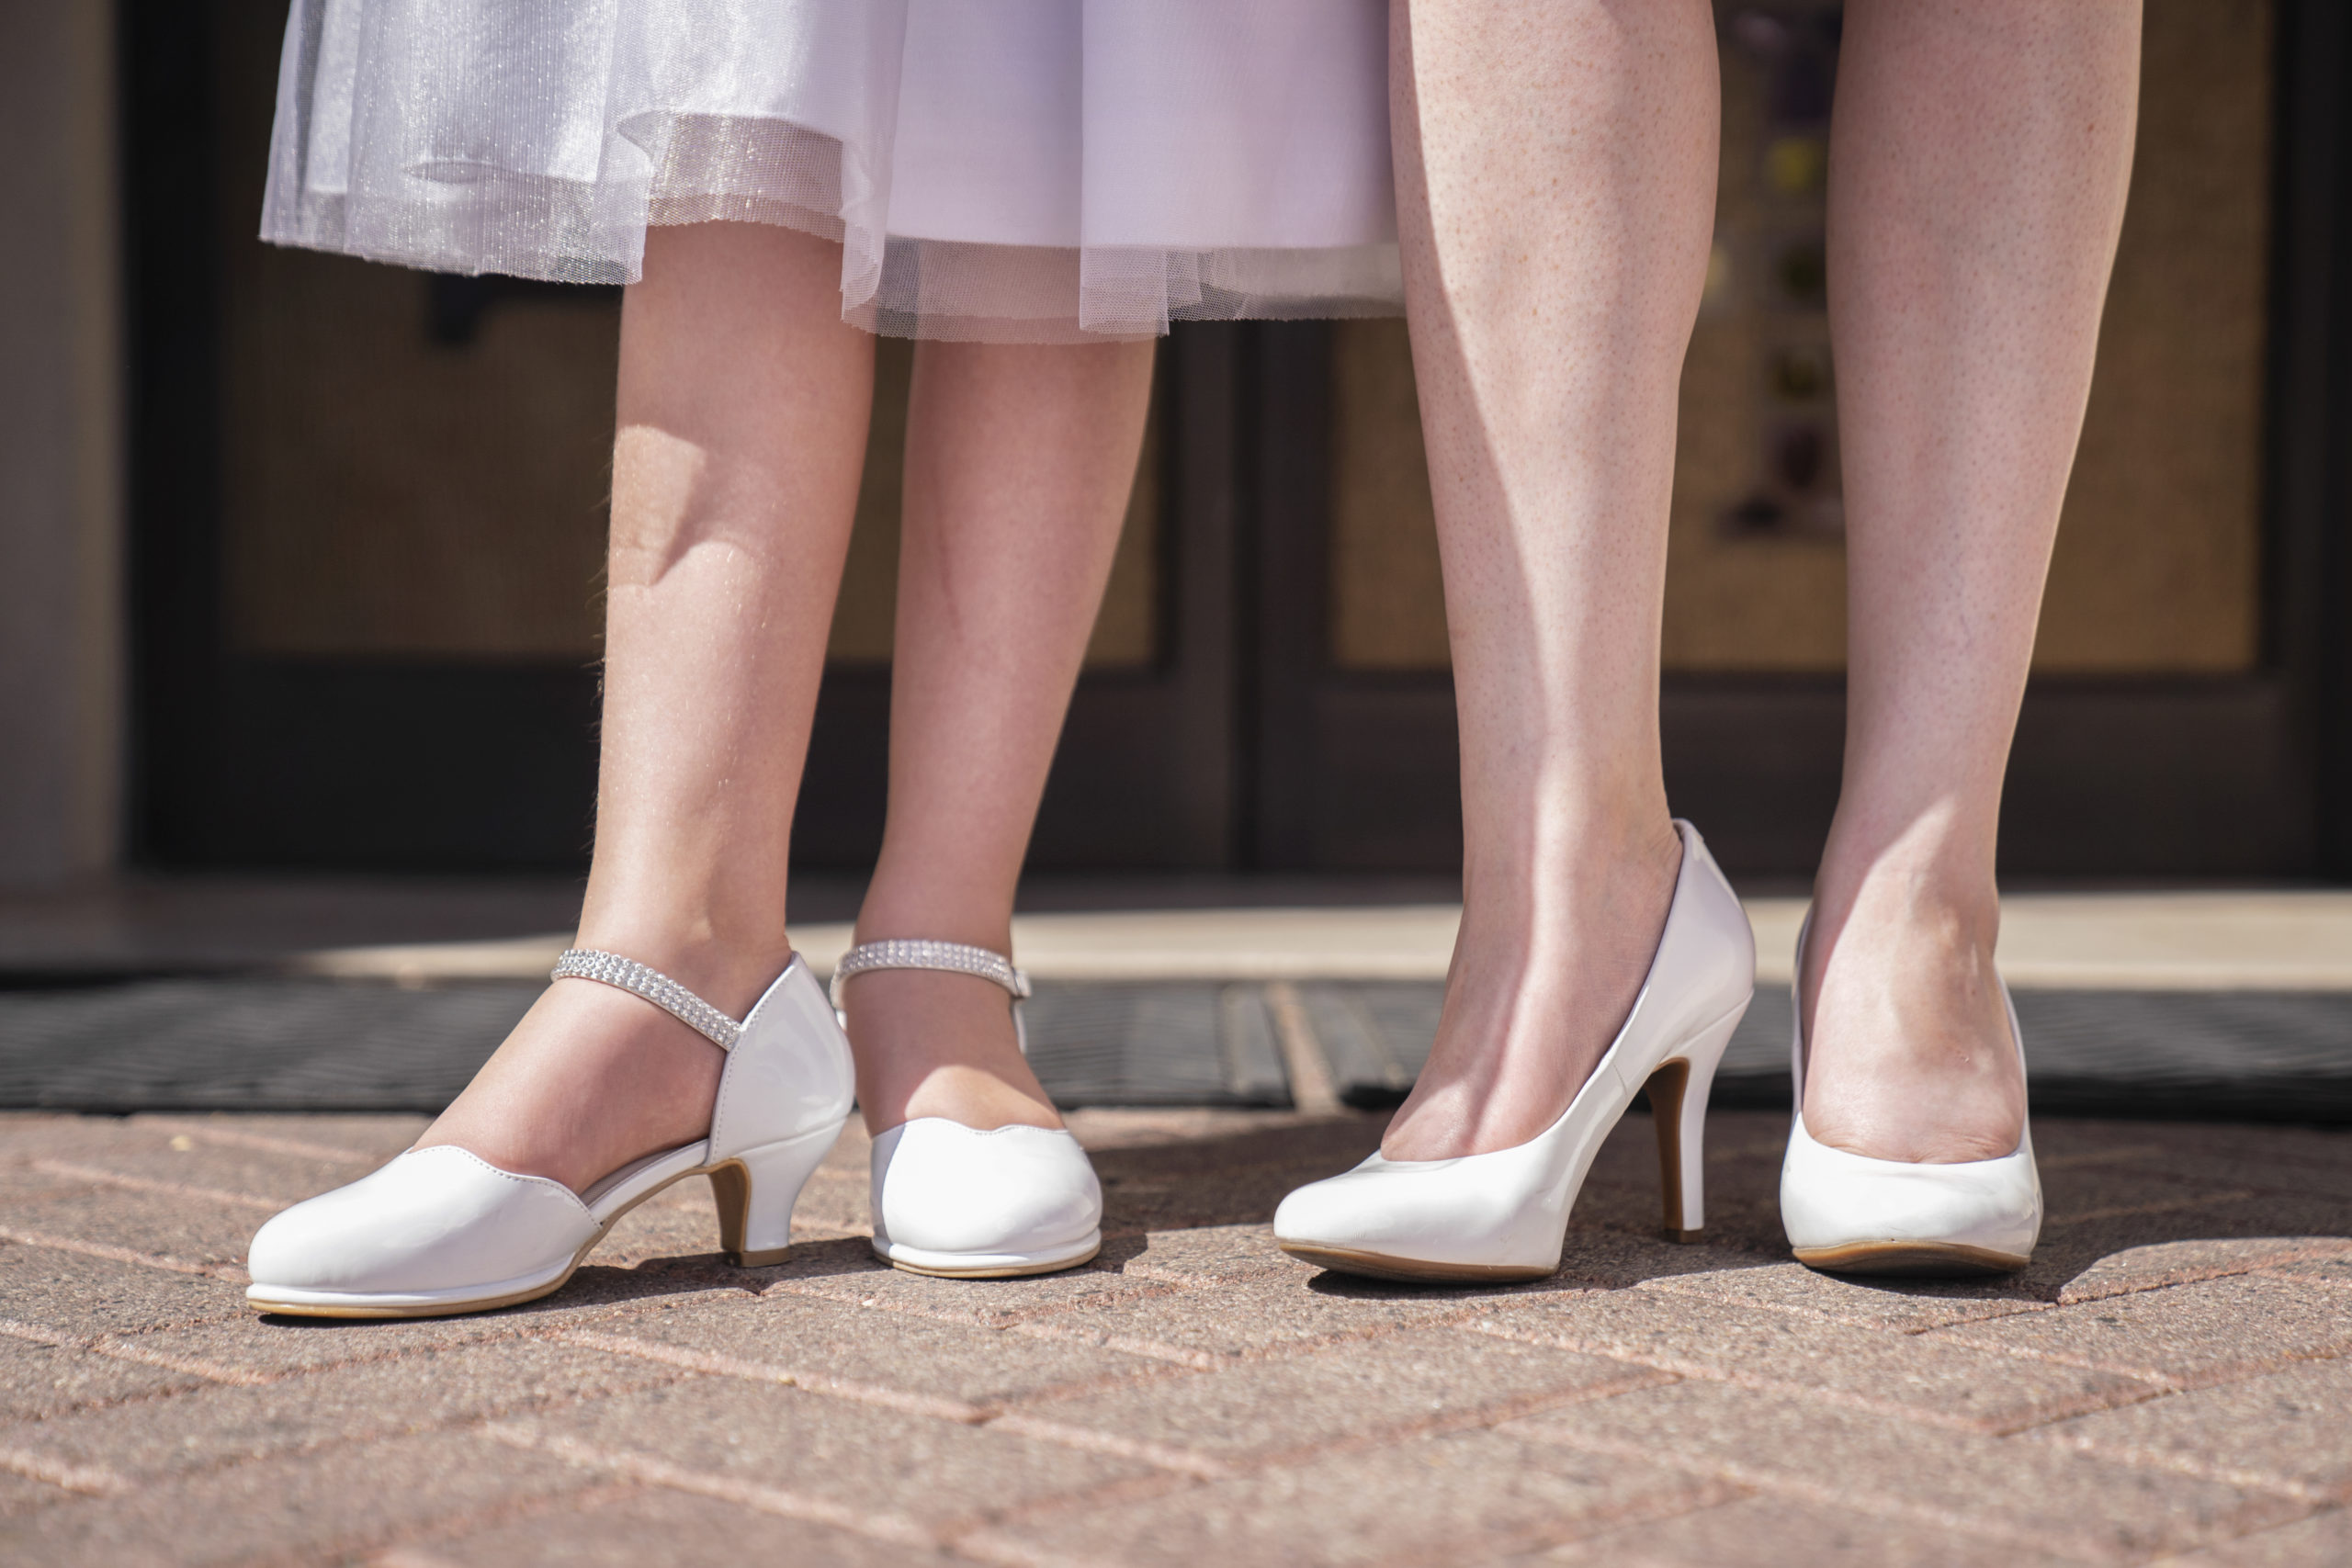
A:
[(2166, 1383)]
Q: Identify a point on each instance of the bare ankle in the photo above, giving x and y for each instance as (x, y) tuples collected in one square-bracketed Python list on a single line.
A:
[(1955, 907), (940, 1045), (591, 1078), (729, 970), (1519, 885), (1909, 1050), (895, 912), (1931, 872), (1547, 965)]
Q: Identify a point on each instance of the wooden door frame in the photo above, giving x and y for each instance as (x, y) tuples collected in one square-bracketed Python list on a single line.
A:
[(2309, 491)]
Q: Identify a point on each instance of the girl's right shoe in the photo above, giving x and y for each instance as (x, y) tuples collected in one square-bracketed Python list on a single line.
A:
[(440, 1230), (1504, 1216), (969, 1203)]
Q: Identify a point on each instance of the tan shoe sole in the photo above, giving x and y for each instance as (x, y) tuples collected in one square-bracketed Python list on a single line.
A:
[(1918, 1259), (1015, 1271), (1412, 1271), (728, 1184)]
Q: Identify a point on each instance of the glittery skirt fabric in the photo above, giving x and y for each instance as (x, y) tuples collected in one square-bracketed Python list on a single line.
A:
[(995, 170)]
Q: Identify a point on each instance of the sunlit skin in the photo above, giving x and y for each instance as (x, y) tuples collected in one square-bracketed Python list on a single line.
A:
[(1551, 295), (1979, 160), (743, 405), (1978, 163)]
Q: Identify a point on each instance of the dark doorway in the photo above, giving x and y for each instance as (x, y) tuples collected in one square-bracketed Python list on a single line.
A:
[(2190, 713), (370, 524), (368, 528)]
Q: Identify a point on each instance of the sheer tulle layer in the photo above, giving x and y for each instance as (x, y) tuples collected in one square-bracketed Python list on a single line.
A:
[(1012, 170)]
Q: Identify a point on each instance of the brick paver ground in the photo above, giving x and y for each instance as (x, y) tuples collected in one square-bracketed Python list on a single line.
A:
[(2167, 1382)]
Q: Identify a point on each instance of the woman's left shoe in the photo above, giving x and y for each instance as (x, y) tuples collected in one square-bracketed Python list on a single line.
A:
[(968, 1203), (1849, 1213), (1504, 1216)]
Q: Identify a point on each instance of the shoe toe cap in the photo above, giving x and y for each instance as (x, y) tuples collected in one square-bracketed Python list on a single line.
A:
[(1323, 1213), (295, 1248), (939, 1187), (1358, 1210), (1450, 1213), (435, 1219)]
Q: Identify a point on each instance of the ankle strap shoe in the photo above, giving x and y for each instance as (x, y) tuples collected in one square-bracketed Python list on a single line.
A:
[(968, 1203), (948, 957), (440, 1230)]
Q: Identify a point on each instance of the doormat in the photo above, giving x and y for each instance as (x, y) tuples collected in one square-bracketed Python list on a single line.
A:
[(2212, 1055), (287, 1044), (252, 1044)]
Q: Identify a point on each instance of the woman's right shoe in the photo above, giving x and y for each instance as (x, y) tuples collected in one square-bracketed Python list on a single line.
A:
[(1504, 1216), (440, 1230), (968, 1203), (1849, 1213)]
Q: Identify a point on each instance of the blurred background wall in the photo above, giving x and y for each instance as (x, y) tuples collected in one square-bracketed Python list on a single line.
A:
[(303, 553), (61, 716)]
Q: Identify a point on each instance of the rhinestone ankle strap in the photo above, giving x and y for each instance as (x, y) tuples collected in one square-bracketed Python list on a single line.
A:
[(588, 964), (954, 957)]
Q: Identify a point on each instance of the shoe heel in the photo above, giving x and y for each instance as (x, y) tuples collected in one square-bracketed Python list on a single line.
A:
[(1678, 1095), (756, 1190)]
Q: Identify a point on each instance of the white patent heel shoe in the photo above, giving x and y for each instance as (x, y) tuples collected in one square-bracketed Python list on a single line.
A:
[(440, 1230), (1849, 1213), (970, 1202), (1504, 1216)]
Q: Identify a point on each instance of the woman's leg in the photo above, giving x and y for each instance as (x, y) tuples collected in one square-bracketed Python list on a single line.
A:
[(1019, 464), (1977, 172), (742, 414), (1556, 170)]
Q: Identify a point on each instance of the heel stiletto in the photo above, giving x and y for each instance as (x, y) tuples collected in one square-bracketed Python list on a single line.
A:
[(1504, 1216), (1849, 1213), (440, 1230), (969, 1203), (1678, 1095)]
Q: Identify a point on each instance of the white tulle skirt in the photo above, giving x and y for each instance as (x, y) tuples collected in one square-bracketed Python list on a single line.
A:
[(998, 169)]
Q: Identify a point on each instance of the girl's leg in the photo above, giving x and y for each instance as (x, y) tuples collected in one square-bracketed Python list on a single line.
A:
[(742, 414), (1556, 168), (1020, 459), (1977, 169)]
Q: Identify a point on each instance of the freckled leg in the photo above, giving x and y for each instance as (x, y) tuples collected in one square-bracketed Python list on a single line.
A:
[(1978, 164), (742, 415), (1020, 460), (1556, 165)]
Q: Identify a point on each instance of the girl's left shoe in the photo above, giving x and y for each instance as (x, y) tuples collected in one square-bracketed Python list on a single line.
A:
[(968, 1203)]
